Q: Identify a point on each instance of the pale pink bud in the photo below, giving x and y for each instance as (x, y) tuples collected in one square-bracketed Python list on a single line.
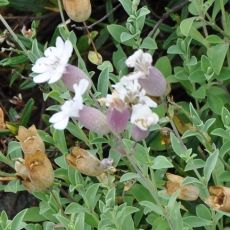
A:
[(138, 134), (94, 120), (73, 75), (118, 120), (106, 163), (154, 83)]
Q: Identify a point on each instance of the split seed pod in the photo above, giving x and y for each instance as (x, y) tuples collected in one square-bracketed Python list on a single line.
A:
[(78, 10), (186, 192), (86, 163), (219, 198), (35, 171), (30, 140)]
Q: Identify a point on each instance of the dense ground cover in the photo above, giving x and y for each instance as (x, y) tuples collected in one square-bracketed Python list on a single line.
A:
[(114, 114)]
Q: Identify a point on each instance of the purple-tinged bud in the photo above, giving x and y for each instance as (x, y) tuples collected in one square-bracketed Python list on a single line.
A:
[(117, 119), (154, 83), (94, 120), (106, 163), (73, 75), (138, 134)]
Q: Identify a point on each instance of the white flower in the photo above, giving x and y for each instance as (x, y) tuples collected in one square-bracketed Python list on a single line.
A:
[(143, 117), (140, 61), (71, 107), (51, 67), (129, 90)]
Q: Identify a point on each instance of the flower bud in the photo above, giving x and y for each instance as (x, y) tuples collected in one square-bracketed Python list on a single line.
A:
[(78, 10), (118, 120), (219, 198), (30, 140), (73, 75), (94, 120), (2, 120), (154, 83), (138, 134), (35, 171), (186, 192), (86, 163)]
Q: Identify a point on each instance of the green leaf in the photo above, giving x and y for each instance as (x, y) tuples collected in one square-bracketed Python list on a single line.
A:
[(59, 140), (148, 43), (186, 25), (4, 2), (76, 131), (217, 97), (129, 176), (91, 194), (164, 65), (17, 223), (217, 56), (151, 207), (195, 222), (127, 5), (194, 164), (203, 212), (200, 93), (194, 116), (103, 82), (13, 61), (26, 113), (210, 165), (116, 31), (14, 150), (225, 116), (177, 146), (33, 215), (6, 160), (161, 162)]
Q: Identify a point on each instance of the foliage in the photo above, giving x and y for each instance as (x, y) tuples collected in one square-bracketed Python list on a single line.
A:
[(192, 138)]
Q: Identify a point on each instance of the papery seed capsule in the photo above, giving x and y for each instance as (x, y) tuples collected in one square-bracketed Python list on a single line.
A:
[(36, 171), (219, 198), (78, 10), (87, 163), (30, 140), (185, 192)]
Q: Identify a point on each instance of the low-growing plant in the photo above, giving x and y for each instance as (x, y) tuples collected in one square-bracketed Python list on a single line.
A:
[(138, 140)]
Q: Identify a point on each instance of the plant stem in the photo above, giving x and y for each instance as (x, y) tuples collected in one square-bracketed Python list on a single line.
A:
[(151, 187), (13, 35), (61, 12), (91, 40)]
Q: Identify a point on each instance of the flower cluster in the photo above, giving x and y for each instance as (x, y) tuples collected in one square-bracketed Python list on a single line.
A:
[(129, 100)]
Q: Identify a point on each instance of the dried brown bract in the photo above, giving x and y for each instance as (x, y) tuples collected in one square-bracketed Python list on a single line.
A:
[(30, 140), (219, 198), (2, 120), (78, 10), (86, 163), (186, 192), (35, 171)]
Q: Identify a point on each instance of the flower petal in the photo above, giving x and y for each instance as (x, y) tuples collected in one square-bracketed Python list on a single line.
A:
[(43, 77), (73, 75), (154, 84)]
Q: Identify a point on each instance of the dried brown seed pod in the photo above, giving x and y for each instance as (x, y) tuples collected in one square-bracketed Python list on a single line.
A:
[(30, 140), (186, 192), (35, 171), (219, 198), (85, 162), (78, 10)]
